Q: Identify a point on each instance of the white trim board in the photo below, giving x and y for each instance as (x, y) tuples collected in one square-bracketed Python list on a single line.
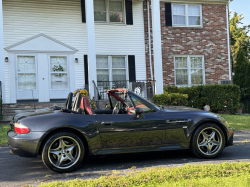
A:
[(41, 43)]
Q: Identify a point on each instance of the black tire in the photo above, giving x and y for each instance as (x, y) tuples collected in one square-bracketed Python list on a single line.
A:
[(208, 141), (63, 152)]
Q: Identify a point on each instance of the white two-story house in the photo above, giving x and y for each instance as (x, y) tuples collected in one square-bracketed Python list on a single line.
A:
[(51, 47)]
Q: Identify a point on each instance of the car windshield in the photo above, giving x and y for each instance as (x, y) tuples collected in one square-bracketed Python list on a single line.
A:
[(147, 101), (123, 96)]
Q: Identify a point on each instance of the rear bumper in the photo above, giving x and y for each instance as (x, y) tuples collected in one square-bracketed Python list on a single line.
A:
[(24, 145)]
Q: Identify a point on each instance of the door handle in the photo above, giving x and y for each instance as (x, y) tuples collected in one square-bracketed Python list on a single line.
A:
[(107, 123)]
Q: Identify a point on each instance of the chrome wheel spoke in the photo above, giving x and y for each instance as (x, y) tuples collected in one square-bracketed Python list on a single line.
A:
[(59, 160), (54, 151), (62, 143), (205, 135), (203, 144), (209, 148), (71, 147), (70, 157), (212, 136), (214, 142)]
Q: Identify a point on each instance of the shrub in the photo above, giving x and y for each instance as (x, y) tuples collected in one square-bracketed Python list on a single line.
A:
[(171, 99), (216, 96)]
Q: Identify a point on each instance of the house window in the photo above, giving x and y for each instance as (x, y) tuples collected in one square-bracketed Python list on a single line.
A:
[(109, 11), (189, 70), (111, 68), (100, 10), (187, 15)]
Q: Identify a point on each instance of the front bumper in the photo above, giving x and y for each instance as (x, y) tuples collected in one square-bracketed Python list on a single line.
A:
[(230, 137), (24, 145)]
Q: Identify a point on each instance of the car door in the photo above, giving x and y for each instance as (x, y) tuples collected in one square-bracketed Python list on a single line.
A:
[(177, 128), (126, 130)]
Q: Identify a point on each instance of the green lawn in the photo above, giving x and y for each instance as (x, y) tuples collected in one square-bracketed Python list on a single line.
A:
[(238, 122), (3, 134), (225, 174)]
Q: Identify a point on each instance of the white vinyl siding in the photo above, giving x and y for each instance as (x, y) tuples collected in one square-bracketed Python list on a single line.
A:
[(62, 20)]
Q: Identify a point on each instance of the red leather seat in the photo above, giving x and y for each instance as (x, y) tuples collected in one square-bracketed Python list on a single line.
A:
[(82, 103), (87, 108)]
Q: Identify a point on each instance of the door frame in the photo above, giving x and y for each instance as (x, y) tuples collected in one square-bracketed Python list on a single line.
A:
[(16, 73), (49, 72), (68, 70), (39, 55)]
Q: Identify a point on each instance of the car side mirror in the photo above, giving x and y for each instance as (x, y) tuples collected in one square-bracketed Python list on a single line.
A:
[(138, 113)]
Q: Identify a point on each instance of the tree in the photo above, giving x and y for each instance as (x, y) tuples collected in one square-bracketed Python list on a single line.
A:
[(242, 74), (239, 37), (240, 69)]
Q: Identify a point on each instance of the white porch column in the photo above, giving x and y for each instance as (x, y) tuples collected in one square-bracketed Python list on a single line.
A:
[(2, 78), (156, 21), (90, 26)]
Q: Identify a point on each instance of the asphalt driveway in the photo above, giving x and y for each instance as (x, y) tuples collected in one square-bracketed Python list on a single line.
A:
[(17, 171)]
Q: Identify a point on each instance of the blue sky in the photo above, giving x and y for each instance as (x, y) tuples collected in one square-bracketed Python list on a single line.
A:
[(241, 7)]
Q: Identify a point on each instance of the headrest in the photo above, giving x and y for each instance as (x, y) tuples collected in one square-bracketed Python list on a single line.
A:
[(68, 103), (87, 107), (77, 102)]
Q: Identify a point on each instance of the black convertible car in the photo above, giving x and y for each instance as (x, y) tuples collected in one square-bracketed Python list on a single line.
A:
[(129, 124)]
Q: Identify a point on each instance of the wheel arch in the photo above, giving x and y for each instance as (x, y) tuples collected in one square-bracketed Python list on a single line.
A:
[(220, 125), (63, 129)]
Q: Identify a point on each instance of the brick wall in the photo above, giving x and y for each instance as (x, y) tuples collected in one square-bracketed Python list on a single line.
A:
[(210, 41)]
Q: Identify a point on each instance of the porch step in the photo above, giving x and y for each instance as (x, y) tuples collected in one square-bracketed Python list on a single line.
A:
[(11, 109)]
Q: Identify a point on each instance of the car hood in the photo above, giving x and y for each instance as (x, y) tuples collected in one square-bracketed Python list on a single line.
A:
[(188, 111), (180, 109)]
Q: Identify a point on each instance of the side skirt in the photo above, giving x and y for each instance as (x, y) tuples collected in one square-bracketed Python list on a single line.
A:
[(138, 149)]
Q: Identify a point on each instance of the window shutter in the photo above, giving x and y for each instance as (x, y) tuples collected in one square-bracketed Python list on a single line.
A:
[(129, 12), (83, 11), (131, 68), (86, 69), (168, 14)]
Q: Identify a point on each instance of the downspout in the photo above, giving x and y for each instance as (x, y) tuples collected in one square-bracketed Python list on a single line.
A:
[(149, 43), (228, 44)]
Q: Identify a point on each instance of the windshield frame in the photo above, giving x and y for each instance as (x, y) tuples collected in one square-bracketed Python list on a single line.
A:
[(144, 100)]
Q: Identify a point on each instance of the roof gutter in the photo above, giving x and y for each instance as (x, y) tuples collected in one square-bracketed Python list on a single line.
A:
[(228, 43), (149, 42)]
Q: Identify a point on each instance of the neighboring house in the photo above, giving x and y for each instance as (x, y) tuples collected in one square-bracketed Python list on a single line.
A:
[(51, 47), (195, 42)]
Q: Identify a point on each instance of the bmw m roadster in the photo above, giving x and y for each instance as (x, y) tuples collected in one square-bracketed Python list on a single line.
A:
[(129, 124)]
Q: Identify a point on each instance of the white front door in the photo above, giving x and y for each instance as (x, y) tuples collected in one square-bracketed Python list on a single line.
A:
[(26, 77), (59, 76)]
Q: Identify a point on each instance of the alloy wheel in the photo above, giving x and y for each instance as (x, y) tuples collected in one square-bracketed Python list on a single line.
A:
[(209, 141), (64, 152)]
